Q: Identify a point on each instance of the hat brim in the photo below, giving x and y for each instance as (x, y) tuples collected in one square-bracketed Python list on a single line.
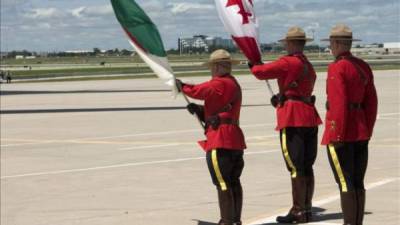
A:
[(340, 39), (232, 61), (296, 39)]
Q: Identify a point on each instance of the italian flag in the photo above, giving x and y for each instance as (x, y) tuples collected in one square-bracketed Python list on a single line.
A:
[(145, 38), (240, 21)]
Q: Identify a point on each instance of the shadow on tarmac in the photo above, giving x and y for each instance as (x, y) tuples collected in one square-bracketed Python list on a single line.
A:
[(161, 108), (319, 216)]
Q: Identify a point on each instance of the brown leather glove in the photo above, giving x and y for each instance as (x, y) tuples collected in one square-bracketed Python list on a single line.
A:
[(179, 84), (251, 64), (193, 108)]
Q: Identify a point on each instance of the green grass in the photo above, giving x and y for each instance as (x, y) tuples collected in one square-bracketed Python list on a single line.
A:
[(132, 72), (386, 67), (78, 71), (31, 74), (122, 59), (96, 60), (152, 76), (71, 60)]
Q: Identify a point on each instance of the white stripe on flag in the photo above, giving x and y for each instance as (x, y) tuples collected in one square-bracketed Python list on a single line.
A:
[(159, 65)]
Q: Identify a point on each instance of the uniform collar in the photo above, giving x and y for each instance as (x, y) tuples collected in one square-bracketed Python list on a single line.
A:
[(343, 54), (296, 54), (221, 75)]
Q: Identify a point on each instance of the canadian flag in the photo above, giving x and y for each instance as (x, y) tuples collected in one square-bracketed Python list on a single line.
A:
[(240, 21)]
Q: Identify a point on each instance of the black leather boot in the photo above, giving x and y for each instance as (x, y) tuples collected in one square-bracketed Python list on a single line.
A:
[(360, 206), (226, 207), (310, 183), (238, 201), (349, 207), (297, 213)]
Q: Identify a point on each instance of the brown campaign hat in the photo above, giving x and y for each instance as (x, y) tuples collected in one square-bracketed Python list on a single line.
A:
[(341, 32), (221, 55), (295, 33)]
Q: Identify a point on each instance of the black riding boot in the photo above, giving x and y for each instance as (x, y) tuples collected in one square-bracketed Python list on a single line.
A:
[(360, 206), (349, 207), (297, 213), (238, 201), (310, 183), (226, 207)]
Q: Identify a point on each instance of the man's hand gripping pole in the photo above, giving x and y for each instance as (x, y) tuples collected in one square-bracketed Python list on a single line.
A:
[(179, 86)]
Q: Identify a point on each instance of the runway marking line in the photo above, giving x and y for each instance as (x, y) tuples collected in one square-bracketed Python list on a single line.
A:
[(389, 114), (168, 132), (257, 141), (29, 143), (119, 166), (322, 202), (125, 135), (156, 144), (35, 142), (151, 146)]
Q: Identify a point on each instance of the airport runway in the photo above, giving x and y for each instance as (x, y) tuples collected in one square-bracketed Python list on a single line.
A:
[(124, 152)]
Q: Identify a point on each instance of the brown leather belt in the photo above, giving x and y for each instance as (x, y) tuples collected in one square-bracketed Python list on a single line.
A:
[(229, 121), (308, 100), (355, 106), (352, 106), (215, 121)]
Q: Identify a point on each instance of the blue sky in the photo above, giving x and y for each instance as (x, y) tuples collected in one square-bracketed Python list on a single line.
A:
[(54, 25)]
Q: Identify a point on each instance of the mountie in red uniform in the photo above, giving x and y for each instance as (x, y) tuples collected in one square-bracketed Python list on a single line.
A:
[(351, 114), (217, 93), (352, 101), (287, 70), (225, 141), (298, 122)]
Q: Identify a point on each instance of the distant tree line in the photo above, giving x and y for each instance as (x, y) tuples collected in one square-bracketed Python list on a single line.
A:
[(265, 48), (24, 53), (97, 52), (94, 52)]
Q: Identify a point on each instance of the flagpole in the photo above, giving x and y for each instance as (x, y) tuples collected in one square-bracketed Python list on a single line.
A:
[(188, 102), (270, 88)]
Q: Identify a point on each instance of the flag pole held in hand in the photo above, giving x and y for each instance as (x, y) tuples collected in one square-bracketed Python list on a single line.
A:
[(179, 87), (146, 40)]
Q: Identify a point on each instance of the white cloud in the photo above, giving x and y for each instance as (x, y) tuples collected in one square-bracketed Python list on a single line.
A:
[(185, 7), (60, 24), (92, 11), (78, 12), (42, 26), (362, 19), (43, 13), (312, 27)]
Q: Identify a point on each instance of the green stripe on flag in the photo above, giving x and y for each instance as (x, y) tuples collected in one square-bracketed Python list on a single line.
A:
[(135, 21)]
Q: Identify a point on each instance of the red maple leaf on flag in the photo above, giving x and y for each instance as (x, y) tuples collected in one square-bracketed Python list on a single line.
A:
[(242, 10)]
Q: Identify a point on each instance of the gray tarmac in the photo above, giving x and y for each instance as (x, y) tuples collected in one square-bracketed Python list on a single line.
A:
[(122, 152)]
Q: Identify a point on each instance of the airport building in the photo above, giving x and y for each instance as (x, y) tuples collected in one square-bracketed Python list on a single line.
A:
[(392, 47), (203, 43), (377, 49)]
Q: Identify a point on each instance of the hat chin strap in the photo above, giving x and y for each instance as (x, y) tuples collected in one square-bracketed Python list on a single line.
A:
[(223, 68)]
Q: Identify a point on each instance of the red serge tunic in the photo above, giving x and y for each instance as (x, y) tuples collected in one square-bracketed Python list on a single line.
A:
[(288, 69), (350, 81), (217, 93)]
